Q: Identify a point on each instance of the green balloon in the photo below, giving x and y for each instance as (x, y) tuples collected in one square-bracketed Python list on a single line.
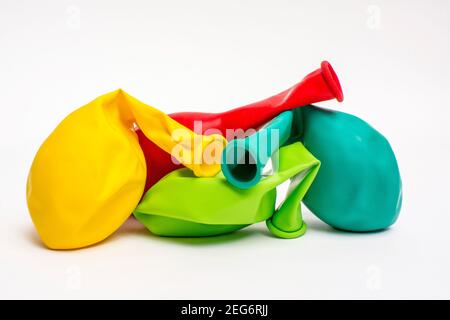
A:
[(183, 205), (358, 187)]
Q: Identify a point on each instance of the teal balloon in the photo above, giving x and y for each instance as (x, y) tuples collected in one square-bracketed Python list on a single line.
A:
[(243, 160), (358, 187)]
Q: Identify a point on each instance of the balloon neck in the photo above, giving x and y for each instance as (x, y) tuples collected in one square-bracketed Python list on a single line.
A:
[(243, 160), (287, 221)]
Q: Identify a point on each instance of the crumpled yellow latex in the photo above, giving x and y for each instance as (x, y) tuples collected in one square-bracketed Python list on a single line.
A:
[(89, 174)]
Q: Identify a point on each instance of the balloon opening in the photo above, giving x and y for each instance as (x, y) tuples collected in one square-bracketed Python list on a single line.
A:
[(245, 169), (241, 167), (332, 80)]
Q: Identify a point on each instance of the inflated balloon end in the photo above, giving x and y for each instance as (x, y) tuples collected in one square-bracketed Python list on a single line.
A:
[(196, 174)]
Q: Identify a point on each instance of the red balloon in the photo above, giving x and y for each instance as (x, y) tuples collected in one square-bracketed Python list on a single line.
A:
[(320, 85)]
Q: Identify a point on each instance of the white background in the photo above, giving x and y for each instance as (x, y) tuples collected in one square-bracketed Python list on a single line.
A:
[(393, 61)]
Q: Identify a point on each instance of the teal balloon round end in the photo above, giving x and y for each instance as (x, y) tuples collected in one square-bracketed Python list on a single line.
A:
[(358, 187)]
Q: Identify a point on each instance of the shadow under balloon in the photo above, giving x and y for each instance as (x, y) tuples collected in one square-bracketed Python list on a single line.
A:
[(133, 228), (33, 238), (321, 227), (129, 228)]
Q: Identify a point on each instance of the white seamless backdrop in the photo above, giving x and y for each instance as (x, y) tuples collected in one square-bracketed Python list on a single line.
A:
[(392, 58)]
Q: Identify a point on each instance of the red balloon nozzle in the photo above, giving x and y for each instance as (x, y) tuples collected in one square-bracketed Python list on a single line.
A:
[(332, 80)]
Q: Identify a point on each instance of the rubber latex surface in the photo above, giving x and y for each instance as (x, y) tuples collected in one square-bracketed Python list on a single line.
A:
[(89, 174), (243, 160), (358, 187), (210, 206), (320, 85)]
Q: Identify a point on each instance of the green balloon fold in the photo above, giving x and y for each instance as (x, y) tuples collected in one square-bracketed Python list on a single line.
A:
[(183, 205)]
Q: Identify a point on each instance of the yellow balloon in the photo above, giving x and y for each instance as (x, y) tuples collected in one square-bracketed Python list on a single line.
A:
[(89, 174)]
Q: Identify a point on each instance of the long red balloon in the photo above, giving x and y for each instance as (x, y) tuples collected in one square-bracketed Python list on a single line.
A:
[(320, 85)]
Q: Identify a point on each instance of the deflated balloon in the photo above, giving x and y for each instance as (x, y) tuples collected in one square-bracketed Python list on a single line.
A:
[(358, 187), (89, 174), (211, 206), (320, 85)]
